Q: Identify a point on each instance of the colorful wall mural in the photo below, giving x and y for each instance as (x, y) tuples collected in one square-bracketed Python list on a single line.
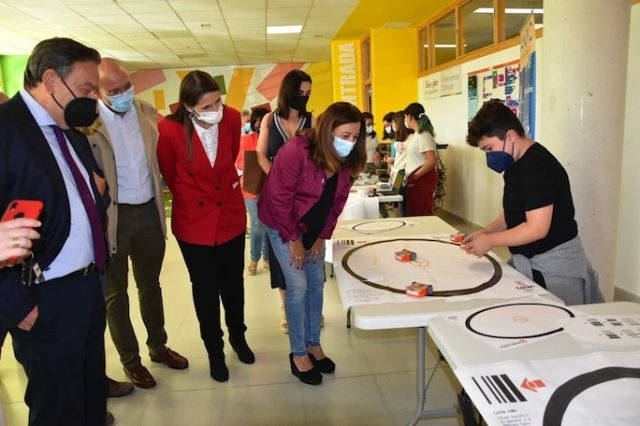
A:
[(242, 87)]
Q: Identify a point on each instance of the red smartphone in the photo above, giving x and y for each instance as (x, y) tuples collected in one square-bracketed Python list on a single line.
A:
[(17, 209)]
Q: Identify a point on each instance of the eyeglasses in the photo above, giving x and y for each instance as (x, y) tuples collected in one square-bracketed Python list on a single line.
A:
[(119, 90)]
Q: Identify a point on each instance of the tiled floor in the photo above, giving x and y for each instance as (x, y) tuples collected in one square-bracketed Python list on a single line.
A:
[(374, 384)]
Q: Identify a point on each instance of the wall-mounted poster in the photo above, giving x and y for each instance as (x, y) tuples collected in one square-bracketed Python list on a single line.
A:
[(528, 77), (499, 81)]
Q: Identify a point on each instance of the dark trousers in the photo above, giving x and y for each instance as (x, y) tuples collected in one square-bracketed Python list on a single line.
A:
[(63, 354), (139, 237), (216, 274)]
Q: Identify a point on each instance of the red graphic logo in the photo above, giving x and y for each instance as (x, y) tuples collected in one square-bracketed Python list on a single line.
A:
[(532, 385)]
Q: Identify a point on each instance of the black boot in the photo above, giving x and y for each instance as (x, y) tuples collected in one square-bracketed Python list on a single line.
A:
[(239, 344), (217, 368)]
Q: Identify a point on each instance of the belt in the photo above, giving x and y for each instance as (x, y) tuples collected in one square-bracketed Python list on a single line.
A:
[(136, 205), (83, 272)]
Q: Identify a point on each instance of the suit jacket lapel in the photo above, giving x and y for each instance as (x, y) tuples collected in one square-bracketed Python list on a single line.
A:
[(40, 146)]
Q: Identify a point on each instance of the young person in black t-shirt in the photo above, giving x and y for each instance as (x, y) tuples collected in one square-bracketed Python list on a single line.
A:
[(537, 222)]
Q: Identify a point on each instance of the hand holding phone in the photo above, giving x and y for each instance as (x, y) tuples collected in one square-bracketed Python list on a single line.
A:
[(17, 230)]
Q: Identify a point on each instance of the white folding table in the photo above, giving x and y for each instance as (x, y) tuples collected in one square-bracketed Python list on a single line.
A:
[(462, 349), (410, 315)]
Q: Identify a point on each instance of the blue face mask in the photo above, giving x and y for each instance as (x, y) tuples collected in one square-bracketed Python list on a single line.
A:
[(499, 161), (342, 146), (122, 102)]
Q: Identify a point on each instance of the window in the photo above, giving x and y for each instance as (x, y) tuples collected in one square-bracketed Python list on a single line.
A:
[(366, 60), (424, 48), (517, 12), (444, 31), (477, 25)]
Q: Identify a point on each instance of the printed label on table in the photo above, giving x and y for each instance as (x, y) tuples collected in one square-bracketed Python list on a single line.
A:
[(597, 389), (621, 330)]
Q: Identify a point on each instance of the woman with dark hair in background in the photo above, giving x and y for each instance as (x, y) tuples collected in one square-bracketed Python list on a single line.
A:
[(397, 162), (300, 204), (197, 149), (421, 160), (258, 243), (276, 128), (371, 145)]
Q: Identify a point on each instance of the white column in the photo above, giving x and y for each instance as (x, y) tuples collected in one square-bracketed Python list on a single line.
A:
[(584, 74)]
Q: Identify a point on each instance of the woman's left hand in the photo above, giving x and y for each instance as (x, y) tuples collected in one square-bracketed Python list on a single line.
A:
[(317, 251)]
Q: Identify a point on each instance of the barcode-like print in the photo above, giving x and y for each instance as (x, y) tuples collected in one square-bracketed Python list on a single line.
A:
[(498, 389)]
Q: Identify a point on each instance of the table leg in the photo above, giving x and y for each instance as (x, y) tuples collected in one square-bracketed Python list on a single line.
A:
[(421, 410)]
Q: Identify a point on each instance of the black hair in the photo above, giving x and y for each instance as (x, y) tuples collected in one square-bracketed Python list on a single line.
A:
[(192, 87), (257, 114), (59, 54), (493, 119), (388, 117), (417, 111), (289, 90)]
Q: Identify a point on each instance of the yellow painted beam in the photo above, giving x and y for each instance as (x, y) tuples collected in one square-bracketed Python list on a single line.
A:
[(239, 86)]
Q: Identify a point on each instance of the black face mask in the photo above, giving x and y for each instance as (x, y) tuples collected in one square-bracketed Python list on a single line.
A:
[(80, 112), (299, 103)]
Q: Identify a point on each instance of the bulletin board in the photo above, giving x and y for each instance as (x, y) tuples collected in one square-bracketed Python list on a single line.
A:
[(501, 81)]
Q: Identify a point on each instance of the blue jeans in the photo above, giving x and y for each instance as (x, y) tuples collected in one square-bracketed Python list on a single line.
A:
[(304, 299), (258, 242)]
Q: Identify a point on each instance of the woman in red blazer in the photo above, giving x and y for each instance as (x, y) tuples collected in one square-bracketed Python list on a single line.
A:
[(197, 149)]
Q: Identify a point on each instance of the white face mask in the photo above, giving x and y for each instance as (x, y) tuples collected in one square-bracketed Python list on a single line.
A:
[(210, 117)]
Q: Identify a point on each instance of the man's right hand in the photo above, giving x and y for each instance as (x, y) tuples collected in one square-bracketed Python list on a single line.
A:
[(29, 321)]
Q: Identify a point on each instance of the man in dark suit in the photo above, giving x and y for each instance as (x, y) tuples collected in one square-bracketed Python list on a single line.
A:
[(55, 305)]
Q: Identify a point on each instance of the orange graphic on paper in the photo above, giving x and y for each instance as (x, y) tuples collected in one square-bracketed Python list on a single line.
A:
[(532, 385)]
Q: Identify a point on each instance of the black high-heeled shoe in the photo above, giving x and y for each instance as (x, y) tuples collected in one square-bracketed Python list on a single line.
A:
[(324, 365), (310, 377)]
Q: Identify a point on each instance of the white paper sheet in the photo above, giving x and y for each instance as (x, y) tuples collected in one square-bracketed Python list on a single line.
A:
[(514, 324), (623, 330), (594, 389), (443, 265)]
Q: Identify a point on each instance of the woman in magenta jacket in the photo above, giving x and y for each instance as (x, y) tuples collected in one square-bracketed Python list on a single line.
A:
[(300, 203), (197, 149)]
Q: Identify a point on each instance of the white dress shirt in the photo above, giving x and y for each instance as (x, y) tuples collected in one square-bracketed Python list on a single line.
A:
[(209, 139), (135, 184), (77, 251)]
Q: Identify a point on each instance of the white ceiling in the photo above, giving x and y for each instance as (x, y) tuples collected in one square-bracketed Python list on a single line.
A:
[(178, 33)]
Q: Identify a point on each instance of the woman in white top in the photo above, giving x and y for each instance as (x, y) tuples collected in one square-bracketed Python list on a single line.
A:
[(371, 145), (420, 162)]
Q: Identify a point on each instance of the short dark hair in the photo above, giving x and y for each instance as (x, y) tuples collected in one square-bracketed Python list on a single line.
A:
[(493, 119), (289, 90), (59, 54), (367, 115), (257, 114)]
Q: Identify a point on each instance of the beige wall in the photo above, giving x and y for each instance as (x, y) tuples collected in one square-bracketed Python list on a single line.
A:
[(474, 192), (628, 248)]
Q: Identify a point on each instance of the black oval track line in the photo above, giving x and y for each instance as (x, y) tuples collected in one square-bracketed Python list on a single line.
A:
[(497, 271), (402, 225), (565, 393), (468, 321)]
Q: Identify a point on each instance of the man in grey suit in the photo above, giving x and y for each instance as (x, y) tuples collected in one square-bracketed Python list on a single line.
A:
[(124, 143)]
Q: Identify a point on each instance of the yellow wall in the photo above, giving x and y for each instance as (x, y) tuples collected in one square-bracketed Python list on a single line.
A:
[(322, 89), (394, 71), (347, 71)]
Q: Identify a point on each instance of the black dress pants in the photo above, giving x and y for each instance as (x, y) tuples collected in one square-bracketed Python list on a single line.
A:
[(216, 274), (63, 354)]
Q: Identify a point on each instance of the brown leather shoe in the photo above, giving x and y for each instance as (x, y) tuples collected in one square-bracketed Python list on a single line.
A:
[(140, 376), (109, 419), (171, 359), (118, 389)]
